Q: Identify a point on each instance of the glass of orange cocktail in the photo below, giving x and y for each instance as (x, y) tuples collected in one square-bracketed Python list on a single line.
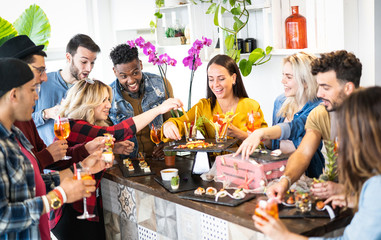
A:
[(84, 174), (268, 205), (62, 130), (253, 121)]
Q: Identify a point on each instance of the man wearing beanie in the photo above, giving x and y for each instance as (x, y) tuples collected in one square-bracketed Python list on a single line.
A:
[(23, 48), (22, 191)]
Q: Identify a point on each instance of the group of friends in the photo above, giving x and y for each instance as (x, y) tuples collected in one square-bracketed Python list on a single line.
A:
[(319, 93)]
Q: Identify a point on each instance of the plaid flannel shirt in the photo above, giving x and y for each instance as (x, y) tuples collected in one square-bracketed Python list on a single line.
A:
[(20, 210), (82, 131)]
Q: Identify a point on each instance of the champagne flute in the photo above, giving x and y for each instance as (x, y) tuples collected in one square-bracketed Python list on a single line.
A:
[(62, 130), (84, 174)]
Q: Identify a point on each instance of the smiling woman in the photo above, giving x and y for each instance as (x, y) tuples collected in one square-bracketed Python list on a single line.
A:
[(225, 93)]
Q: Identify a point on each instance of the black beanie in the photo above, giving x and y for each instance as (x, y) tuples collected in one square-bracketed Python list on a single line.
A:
[(13, 73)]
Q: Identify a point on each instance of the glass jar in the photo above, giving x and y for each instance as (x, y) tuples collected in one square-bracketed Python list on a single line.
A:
[(296, 30)]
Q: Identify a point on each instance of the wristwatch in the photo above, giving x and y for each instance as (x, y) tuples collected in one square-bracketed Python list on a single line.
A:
[(55, 202)]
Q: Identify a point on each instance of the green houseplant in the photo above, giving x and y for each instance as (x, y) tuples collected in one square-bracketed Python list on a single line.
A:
[(237, 8), (33, 22)]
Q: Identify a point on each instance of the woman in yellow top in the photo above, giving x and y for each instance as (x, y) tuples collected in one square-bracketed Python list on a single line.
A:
[(225, 92)]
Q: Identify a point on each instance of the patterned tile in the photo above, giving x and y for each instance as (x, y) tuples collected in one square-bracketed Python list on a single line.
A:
[(109, 193), (112, 225), (145, 210), (187, 221), (166, 218), (146, 234), (129, 230), (126, 197), (238, 232), (213, 228)]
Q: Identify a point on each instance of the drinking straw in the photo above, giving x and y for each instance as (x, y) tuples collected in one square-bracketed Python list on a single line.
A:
[(60, 125), (75, 169), (186, 129), (195, 119), (185, 113)]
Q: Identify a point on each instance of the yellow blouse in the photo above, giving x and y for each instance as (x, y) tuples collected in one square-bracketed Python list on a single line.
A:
[(244, 106)]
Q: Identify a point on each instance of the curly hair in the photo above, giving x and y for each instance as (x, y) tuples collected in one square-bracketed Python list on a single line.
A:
[(346, 65), (123, 53), (359, 147), (81, 100)]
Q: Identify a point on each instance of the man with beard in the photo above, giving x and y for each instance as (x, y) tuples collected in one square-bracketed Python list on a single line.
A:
[(135, 92), (81, 53), (338, 75)]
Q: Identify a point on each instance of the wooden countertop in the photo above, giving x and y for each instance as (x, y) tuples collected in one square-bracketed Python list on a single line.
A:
[(240, 215)]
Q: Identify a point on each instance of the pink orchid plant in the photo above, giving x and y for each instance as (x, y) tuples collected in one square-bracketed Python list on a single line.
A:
[(193, 60), (162, 61)]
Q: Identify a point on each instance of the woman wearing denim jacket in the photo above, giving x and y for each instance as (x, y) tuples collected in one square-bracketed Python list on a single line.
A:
[(359, 169), (290, 112)]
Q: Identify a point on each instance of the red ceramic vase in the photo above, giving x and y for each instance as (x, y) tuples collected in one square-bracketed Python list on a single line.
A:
[(296, 30)]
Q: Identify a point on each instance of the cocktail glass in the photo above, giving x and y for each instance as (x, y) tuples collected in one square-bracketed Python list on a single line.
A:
[(62, 130), (84, 174)]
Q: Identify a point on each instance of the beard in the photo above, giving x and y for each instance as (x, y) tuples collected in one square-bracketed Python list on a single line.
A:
[(74, 71), (335, 104)]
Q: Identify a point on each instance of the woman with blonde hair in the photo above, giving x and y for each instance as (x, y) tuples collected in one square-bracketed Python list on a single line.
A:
[(290, 112), (87, 106), (359, 167)]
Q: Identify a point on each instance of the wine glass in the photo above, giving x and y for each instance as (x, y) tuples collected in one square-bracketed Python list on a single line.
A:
[(155, 134), (253, 121), (62, 130), (84, 174)]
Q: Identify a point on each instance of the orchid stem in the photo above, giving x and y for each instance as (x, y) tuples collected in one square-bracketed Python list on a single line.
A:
[(191, 82)]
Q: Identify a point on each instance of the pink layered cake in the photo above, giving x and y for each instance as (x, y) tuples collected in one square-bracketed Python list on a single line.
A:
[(251, 173)]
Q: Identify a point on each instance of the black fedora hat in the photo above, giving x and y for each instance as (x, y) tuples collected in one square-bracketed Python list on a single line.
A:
[(19, 47)]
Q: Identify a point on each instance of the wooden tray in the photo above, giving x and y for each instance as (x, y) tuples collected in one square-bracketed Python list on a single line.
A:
[(218, 147), (226, 201), (137, 170)]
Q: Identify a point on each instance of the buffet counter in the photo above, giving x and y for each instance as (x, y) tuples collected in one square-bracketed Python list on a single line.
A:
[(140, 208)]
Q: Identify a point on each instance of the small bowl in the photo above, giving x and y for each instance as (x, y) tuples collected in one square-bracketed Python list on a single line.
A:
[(167, 174)]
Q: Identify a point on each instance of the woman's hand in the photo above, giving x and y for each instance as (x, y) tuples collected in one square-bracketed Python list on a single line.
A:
[(341, 201), (95, 162), (170, 104), (124, 147), (273, 228), (250, 144), (58, 149), (325, 190), (95, 145), (233, 131), (171, 131)]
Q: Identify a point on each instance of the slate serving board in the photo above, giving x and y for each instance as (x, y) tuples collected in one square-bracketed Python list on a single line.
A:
[(188, 182), (290, 212), (226, 201), (218, 147), (137, 170)]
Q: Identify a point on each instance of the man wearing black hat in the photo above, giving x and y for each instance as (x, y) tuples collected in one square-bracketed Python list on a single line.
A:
[(23, 48), (22, 190)]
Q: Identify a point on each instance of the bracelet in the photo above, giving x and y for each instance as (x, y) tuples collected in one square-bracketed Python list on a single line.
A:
[(46, 203), (62, 193), (288, 180)]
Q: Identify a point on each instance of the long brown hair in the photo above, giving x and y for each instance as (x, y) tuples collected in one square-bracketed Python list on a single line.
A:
[(359, 139), (228, 63)]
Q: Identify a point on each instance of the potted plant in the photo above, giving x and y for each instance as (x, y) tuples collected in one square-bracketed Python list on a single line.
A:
[(175, 182), (169, 158)]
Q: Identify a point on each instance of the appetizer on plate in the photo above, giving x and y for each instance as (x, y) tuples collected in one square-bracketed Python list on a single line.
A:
[(199, 191), (239, 194), (211, 191)]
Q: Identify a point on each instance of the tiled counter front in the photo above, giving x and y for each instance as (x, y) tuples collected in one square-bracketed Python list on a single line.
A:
[(133, 214)]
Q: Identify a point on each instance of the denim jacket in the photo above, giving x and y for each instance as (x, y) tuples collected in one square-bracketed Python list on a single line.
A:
[(295, 132), (154, 95)]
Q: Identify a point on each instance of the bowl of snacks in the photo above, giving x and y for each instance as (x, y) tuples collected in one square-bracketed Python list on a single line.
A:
[(168, 173)]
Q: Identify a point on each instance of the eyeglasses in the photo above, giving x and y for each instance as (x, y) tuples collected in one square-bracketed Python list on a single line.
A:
[(40, 70)]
